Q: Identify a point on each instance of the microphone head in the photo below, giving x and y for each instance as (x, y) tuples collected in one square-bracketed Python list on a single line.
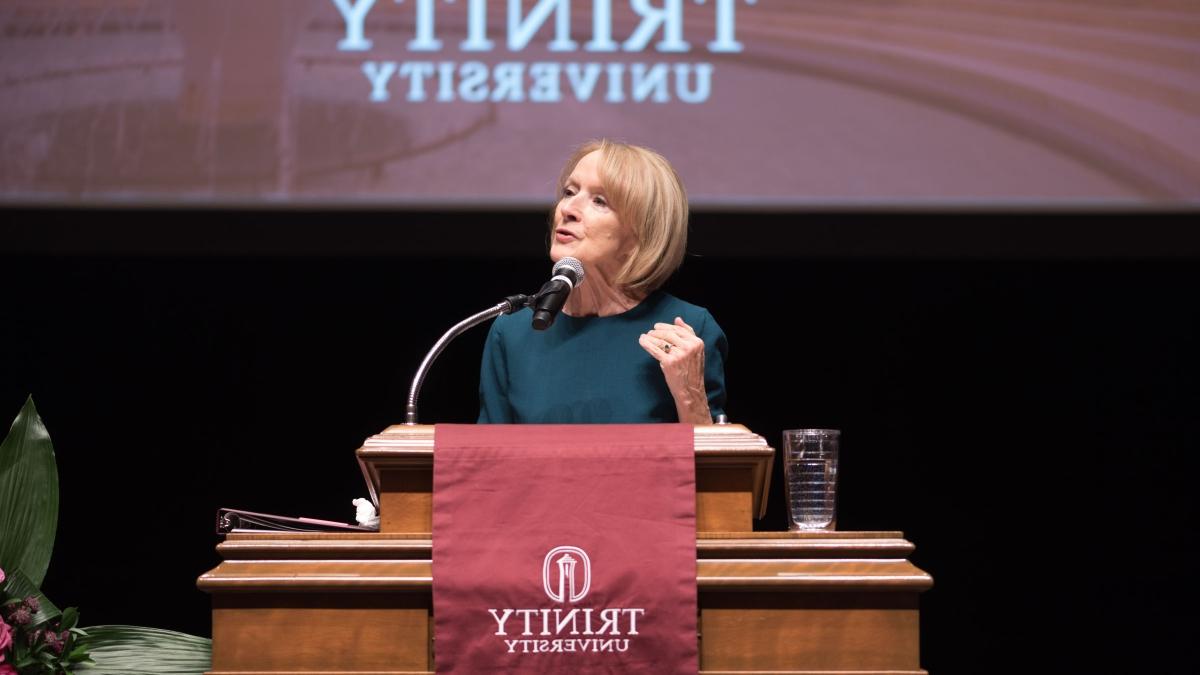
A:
[(570, 268)]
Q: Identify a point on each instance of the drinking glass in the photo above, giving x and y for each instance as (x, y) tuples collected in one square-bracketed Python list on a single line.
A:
[(810, 466)]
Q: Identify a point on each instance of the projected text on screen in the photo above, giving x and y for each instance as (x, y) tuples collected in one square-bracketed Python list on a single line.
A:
[(775, 104), (659, 29)]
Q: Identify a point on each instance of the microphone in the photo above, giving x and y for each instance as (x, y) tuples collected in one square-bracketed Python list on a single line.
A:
[(568, 273)]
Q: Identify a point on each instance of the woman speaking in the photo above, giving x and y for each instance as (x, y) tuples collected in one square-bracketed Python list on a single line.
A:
[(622, 350)]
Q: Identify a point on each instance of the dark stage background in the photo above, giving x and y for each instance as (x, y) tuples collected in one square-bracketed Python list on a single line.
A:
[(1017, 393)]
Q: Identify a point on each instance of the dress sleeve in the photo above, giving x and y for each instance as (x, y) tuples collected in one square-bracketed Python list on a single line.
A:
[(493, 380), (716, 348)]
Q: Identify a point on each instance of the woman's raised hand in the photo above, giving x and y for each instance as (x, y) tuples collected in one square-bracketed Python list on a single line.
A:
[(680, 354)]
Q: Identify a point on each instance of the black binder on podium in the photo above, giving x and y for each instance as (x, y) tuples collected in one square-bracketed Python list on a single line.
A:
[(237, 520)]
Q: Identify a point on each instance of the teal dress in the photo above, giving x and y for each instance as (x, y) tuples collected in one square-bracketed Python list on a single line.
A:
[(591, 370)]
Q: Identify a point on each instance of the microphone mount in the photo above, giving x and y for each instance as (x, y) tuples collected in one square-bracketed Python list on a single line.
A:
[(509, 305)]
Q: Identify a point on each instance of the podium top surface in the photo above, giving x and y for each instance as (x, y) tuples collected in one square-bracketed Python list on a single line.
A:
[(719, 448), (415, 440)]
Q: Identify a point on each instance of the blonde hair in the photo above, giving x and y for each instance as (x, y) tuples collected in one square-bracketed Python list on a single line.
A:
[(646, 193)]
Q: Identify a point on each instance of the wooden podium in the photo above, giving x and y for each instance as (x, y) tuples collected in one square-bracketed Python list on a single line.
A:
[(361, 603)]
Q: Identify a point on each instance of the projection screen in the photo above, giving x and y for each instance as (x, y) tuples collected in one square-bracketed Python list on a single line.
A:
[(476, 103)]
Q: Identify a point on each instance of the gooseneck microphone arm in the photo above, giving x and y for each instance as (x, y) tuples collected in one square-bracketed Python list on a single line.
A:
[(510, 304)]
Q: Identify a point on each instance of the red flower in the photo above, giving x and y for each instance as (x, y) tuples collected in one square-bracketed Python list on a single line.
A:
[(55, 641), (6, 669), (6, 634), (20, 616)]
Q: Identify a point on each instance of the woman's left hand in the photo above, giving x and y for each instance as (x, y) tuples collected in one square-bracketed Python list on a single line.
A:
[(680, 354)]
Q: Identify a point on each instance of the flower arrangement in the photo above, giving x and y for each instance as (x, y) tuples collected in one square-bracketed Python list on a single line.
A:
[(32, 645), (36, 637)]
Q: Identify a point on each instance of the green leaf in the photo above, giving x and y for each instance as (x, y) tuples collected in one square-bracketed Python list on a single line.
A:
[(17, 585), (28, 496), (70, 617), (134, 650)]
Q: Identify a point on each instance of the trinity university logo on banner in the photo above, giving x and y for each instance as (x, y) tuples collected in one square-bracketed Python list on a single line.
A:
[(567, 589), (572, 626)]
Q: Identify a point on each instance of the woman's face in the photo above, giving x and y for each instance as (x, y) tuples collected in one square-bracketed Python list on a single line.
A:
[(585, 225)]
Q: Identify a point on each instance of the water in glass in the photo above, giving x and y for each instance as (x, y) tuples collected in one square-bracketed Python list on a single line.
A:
[(811, 490)]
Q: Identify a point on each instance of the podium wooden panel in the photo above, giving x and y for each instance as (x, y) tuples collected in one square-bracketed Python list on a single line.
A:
[(361, 603), (733, 472)]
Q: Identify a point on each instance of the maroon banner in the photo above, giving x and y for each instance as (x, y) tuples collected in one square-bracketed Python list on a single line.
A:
[(564, 549)]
